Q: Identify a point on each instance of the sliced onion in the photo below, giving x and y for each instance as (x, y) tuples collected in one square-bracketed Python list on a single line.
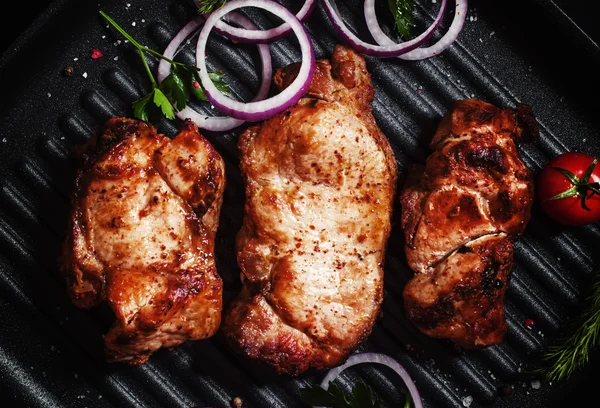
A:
[(264, 109), (376, 358), (460, 16), (382, 50), (216, 123), (164, 68), (264, 36)]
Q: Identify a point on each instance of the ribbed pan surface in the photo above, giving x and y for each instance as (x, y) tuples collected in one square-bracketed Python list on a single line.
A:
[(51, 352)]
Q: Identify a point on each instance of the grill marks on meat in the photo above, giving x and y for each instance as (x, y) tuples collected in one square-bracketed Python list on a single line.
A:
[(145, 210), (320, 183), (461, 212)]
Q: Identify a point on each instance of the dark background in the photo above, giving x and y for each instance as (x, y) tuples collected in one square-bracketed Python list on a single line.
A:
[(23, 13)]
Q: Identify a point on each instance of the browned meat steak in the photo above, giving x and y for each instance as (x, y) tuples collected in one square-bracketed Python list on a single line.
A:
[(145, 210), (460, 215), (320, 184)]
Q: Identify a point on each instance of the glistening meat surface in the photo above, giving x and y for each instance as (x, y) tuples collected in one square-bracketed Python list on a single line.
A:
[(145, 211), (461, 212), (320, 183)]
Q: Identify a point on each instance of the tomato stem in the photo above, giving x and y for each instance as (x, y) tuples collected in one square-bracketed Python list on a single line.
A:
[(581, 187)]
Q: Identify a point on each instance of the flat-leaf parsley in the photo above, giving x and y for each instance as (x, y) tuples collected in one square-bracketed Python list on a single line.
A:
[(174, 91), (334, 397)]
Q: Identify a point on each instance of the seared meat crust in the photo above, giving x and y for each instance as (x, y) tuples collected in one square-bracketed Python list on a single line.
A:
[(320, 184), (460, 215), (145, 210)]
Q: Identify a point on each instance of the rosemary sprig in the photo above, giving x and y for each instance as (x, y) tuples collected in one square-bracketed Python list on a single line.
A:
[(572, 353)]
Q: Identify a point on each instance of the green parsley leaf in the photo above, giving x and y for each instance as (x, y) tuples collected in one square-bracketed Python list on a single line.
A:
[(334, 397), (174, 91), (173, 87), (161, 100), (403, 13), (220, 84), (208, 6), (362, 396), (140, 107)]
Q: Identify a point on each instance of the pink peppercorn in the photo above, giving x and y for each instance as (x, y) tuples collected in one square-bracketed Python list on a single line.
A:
[(96, 53)]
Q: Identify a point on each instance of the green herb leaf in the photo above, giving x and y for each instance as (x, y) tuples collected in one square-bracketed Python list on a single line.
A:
[(175, 90), (161, 100), (174, 86), (220, 84), (572, 352), (361, 396), (140, 107), (403, 13), (208, 6), (334, 397)]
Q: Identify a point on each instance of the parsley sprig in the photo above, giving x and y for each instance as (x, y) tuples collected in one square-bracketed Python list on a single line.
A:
[(208, 6), (334, 397), (404, 17), (173, 93), (573, 352)]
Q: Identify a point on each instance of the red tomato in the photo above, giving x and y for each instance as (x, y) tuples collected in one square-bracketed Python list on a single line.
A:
[(570, 210)]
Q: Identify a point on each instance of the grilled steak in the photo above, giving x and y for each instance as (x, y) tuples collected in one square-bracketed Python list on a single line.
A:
[(320, 184), (145, 210), (461, 212)]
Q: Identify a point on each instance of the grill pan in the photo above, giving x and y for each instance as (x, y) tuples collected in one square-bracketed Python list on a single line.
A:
[(510, 51)]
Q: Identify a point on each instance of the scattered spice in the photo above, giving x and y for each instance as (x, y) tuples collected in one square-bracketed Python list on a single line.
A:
[(237, 402), (68, 70), (506, 389), (528, 323), (96, 53)]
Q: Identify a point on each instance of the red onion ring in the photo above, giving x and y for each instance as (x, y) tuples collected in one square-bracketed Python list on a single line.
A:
[(460, 16), (164, 68), (264, 36), (216, 123), (376, 358), (257, 110), (382, 50)]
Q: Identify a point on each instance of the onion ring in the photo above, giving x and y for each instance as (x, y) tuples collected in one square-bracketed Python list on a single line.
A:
[(172, 48), (257, 110), (384, 50), (264, 36), (215, 123), (460, 16), (377, 358)]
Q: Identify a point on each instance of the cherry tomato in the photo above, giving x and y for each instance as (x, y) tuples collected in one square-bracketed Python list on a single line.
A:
[(568, 189)]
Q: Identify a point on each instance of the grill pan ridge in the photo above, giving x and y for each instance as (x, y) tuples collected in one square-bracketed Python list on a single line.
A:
[(51, 352)]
